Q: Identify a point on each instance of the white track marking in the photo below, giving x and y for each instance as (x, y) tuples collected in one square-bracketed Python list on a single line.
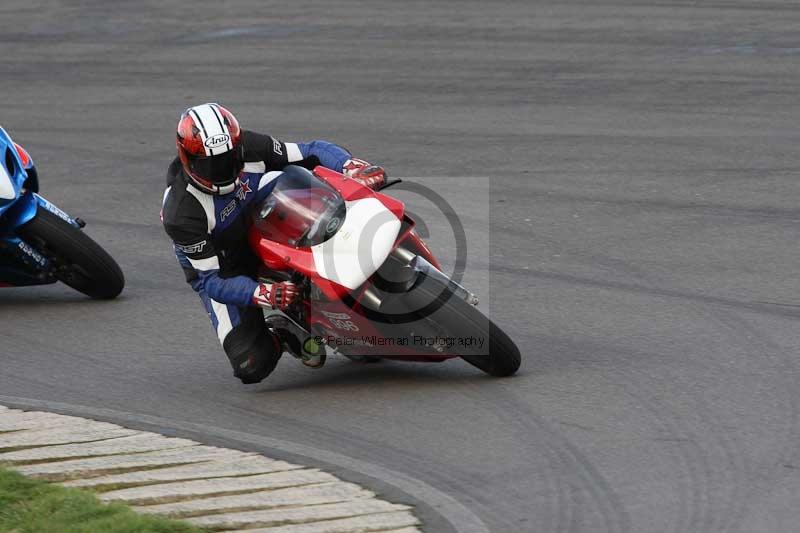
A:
[(216, 488)]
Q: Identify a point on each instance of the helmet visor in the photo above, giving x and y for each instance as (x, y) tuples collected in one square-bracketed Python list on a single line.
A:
[(219, 169)]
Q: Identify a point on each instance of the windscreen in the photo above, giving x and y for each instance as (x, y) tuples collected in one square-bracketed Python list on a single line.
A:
[(301, 210)]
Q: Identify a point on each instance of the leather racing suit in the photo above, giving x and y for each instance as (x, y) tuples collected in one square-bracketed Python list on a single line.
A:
[(209, 234)]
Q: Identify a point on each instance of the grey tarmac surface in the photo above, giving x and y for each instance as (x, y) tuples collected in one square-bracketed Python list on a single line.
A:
[(641, 243)]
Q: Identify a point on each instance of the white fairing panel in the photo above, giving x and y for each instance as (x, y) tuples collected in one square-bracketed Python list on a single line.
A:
[(363, 242), (7, 191)]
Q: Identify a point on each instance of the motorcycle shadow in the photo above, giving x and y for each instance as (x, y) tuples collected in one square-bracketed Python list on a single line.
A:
[(25, 297), (341, 373)]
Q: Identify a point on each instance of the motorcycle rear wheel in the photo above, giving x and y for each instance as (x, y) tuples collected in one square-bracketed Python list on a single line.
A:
[(80, 262)]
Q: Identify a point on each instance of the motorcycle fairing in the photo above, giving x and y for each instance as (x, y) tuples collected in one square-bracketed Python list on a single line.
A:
[(12, 173), (330, 276), (20, 263), (7, 189), (24, 209), (53, 208), (362, 243)]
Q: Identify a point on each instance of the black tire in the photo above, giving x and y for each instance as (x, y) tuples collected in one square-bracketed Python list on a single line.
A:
[(452, 317), (504, 358), (80, 262)]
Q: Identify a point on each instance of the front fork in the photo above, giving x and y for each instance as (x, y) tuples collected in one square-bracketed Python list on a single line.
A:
[(21, 263)]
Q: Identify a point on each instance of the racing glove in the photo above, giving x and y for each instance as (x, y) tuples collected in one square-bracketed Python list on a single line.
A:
[(275, 295), (372, 176)]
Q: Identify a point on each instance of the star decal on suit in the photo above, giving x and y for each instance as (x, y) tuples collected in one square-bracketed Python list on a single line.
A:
[(243, 190)]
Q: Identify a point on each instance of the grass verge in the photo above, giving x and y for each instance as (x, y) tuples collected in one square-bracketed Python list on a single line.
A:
[(32, 506)]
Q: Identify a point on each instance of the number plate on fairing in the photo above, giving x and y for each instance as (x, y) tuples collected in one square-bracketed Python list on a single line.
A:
[(340, 321)]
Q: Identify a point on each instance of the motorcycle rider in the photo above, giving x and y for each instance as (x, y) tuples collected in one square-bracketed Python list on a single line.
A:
[(220, 171)]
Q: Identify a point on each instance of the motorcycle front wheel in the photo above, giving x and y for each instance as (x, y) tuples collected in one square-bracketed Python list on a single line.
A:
[(79, 261), (443, 314)]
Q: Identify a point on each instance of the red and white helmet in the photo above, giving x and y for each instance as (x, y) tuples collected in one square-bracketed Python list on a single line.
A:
[(210, 147)]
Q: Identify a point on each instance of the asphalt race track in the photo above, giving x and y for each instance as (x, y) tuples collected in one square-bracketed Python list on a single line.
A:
[(635, 232)]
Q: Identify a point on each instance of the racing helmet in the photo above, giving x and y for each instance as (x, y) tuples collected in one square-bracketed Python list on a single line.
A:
[(210, 148)]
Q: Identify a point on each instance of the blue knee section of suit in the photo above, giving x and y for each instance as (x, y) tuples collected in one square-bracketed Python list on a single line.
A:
[(237, 290), (233, 311)]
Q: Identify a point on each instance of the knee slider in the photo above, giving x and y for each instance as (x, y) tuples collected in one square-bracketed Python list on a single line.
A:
[(254, 360)]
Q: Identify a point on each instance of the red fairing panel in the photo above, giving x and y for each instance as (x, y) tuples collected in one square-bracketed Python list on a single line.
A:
[(352, 190), (27, 162)]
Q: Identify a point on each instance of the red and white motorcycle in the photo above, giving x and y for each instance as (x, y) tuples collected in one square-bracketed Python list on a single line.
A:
[(370, 288)]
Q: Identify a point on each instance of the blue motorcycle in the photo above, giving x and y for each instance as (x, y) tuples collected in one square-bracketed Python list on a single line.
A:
[(40, 243)]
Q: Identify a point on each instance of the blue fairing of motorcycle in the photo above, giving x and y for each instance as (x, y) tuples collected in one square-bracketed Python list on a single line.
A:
[(20, 263)]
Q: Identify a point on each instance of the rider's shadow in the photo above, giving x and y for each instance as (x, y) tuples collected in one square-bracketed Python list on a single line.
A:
[(385, 374), (31, 298)]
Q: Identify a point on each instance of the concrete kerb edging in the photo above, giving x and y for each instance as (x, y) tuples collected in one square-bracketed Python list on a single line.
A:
[(212, 487), (437, 509)]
